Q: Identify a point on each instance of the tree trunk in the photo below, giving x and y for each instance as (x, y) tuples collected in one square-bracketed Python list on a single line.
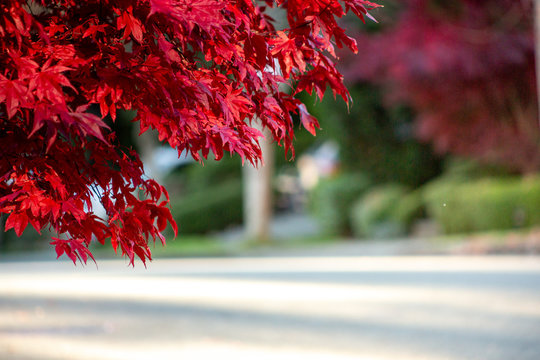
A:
[(258, 194)]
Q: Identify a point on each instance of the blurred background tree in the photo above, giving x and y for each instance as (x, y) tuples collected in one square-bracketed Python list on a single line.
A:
[(466, 68)]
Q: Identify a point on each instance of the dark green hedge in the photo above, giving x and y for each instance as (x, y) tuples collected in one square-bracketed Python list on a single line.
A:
[(485, 204)]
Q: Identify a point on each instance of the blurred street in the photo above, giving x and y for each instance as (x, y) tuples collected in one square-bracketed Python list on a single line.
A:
[(340, 307)]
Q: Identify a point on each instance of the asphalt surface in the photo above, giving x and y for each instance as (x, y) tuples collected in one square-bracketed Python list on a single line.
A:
[(357, 307)]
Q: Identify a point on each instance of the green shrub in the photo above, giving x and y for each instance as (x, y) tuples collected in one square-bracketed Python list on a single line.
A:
[(409, 209), (214, 208), (485, 204), (384, 212), (199, 177), (332, 199), (30, 240), (464, 169)]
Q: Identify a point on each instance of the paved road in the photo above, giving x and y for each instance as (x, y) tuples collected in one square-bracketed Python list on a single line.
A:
[(338, 308)]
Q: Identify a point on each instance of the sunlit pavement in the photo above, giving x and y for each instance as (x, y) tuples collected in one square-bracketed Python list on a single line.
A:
[(273, 308)]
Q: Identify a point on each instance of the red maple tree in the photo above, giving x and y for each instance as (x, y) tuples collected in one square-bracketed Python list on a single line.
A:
[(197, 71), (467, 68)]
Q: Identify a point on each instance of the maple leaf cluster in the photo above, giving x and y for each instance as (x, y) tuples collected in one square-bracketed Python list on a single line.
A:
[(197, 71), (467, 68)]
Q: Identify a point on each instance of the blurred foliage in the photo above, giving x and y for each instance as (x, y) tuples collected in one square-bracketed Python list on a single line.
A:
[(212, 208), (332, 198), (376, 139), (460, 206), (197, 177), (30, 240), (200, 177), (303, 142), (467, 69), (409, 209), (206, 197), (463, 169), (124, 128), (385, 211)]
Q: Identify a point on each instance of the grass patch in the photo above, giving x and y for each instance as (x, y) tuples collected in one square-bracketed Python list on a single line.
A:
[(253, 246), (183, 246), (187, 246)]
